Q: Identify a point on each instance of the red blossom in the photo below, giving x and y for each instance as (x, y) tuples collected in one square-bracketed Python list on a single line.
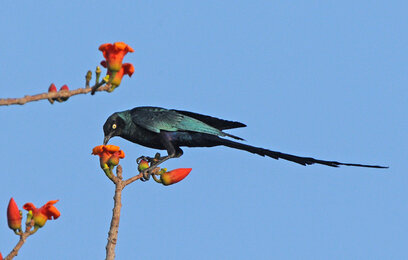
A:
[(109, 155), (46, 212), (126, 69), (114, 54)]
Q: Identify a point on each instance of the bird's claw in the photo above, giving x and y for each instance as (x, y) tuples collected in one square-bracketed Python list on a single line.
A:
[(146, 176), (156, 160), (152, 162), (146, 158)]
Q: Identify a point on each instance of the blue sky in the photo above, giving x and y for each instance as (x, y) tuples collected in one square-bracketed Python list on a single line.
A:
[(326, 79)]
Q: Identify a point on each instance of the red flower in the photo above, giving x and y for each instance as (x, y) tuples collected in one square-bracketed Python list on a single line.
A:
[(114, 54), (46, 212), (109, 155), (13, 216), (174, 176), (126, 69)]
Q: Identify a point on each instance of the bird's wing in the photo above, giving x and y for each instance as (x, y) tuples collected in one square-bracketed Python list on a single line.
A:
[(218, 123), (156, 119)]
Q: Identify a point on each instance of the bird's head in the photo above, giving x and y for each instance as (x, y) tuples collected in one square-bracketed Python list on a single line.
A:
[(113, 127)]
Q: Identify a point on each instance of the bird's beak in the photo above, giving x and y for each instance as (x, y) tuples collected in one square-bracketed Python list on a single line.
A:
[(106, 139)]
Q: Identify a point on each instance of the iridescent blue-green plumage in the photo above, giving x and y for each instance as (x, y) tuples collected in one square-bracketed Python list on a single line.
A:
[(158, 119), (169, 129)]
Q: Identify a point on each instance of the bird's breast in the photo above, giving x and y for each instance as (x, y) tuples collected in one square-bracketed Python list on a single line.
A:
[(142, 137)]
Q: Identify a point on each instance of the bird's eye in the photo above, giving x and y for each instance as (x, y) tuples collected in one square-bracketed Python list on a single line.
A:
[(114, 126)]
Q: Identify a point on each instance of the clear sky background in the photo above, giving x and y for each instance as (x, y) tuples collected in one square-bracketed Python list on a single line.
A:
[(326, 79)]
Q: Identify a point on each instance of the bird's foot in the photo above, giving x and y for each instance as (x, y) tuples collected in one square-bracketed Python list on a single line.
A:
[(151, 160), (154, 162), (146, 158), (160, 159), (145, 172), (146, 176)]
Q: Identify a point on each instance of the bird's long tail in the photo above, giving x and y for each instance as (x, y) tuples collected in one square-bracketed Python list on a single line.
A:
[(293, 158)]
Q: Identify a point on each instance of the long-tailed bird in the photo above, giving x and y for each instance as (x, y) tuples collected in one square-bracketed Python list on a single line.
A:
[(169, 129)]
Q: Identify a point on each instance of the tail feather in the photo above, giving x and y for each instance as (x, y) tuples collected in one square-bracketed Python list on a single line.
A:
[(293, 158), (233, 136)]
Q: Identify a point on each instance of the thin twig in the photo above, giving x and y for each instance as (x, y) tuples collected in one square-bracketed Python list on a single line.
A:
[(22, 240), (49, 95), (153, 170), (134, 178), (114, 226)]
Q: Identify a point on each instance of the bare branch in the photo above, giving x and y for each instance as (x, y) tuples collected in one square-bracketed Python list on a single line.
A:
[(134, 178), (114, 226), (153, 170), (49, 96), (119, 186), (22, 240)]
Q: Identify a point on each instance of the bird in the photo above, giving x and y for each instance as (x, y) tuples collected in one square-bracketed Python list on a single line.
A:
[(170, 129)]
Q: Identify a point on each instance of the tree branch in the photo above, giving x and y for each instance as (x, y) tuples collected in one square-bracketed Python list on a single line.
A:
[(114, 226), (49, 96), (119, 186), (22, 240)]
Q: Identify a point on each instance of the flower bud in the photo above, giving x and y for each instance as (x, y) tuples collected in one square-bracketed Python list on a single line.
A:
[(88, 78), (143, 164), (52, 88), (13, 216), (64, 88), (98, 74), (174, 176)]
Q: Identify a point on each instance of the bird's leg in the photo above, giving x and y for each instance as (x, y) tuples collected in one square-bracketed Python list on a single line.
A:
[(157, 158), (172, 152), (154, 163)]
